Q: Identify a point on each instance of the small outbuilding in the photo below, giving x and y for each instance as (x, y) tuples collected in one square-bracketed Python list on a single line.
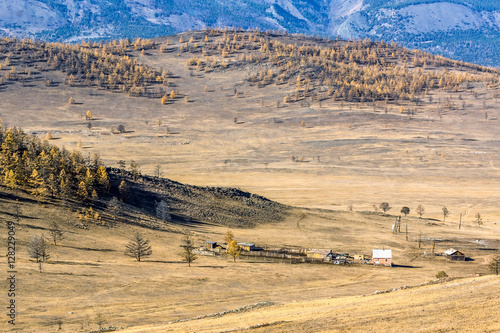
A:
[(247, 246), (359, 257), (382, 257), (319, 254), (453, 254), (210, 245)]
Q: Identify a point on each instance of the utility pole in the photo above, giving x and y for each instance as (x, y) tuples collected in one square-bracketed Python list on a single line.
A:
[(460, 225), (419, 238), (406, 231), (433, 244)]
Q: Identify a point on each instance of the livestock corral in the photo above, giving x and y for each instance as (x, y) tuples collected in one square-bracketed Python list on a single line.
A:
[(286, 254)]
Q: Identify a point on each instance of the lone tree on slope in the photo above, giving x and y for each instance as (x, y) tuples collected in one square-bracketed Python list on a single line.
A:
[(233, 250), (385, 206), (405, 210), (56, 232), (38, 250), (446, 212), (138, 247), (494, 264), (187, 250), (479, 219), (163, 211), (420, 210)]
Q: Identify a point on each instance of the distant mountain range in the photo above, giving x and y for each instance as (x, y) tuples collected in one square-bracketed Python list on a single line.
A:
[(467, 30)]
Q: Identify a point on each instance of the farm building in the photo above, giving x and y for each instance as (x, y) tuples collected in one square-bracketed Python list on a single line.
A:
[(210, 245), (319, 254), (382, 257), (453, 254), (361, 257), (247, 246)]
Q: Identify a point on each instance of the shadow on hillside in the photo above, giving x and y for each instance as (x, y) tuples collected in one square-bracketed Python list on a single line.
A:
[(165, 261), (22, 217), (61, 262), (210, 266), (87, 248), (178, 220), (13, 197), (31, 226), (67, 273), (405, 266)]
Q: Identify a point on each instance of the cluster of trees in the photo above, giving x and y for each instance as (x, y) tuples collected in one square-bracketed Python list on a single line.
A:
[(38, 246), (139, 247), (28, 163), (354, 71), (420, 210), (104, 65)]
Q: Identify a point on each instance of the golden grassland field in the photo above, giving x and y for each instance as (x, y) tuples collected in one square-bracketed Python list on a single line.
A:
[(321, 157), (88, 273)]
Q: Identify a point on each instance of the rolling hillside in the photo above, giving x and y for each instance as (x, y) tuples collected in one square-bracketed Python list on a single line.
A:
[(442, 307), (343, 138), (470, 34)]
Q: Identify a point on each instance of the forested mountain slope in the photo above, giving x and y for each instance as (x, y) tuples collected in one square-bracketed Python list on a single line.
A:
[(460, 29)]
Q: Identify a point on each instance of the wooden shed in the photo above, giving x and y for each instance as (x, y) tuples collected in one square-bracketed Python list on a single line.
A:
[(247, 246), (319, 254), (382, 257), (210, 245), (453, 254), (361, 257)]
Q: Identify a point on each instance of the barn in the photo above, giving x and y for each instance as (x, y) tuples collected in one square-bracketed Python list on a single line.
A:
[(382, 257), (210, 245), (319, 254), (247, 246), (453, 254)]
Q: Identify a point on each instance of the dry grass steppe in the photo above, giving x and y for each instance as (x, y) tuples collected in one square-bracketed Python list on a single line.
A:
[(352, 153)]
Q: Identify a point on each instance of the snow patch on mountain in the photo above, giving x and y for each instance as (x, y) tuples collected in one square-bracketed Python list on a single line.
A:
[(30, 16), (271, 10), (182, 22), (441, 16), (344, 8)]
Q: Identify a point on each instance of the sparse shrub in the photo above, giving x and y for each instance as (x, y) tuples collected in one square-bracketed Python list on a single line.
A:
[(164, 99), (479, 219), (120, 128), (441, 274), (100, 320)]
